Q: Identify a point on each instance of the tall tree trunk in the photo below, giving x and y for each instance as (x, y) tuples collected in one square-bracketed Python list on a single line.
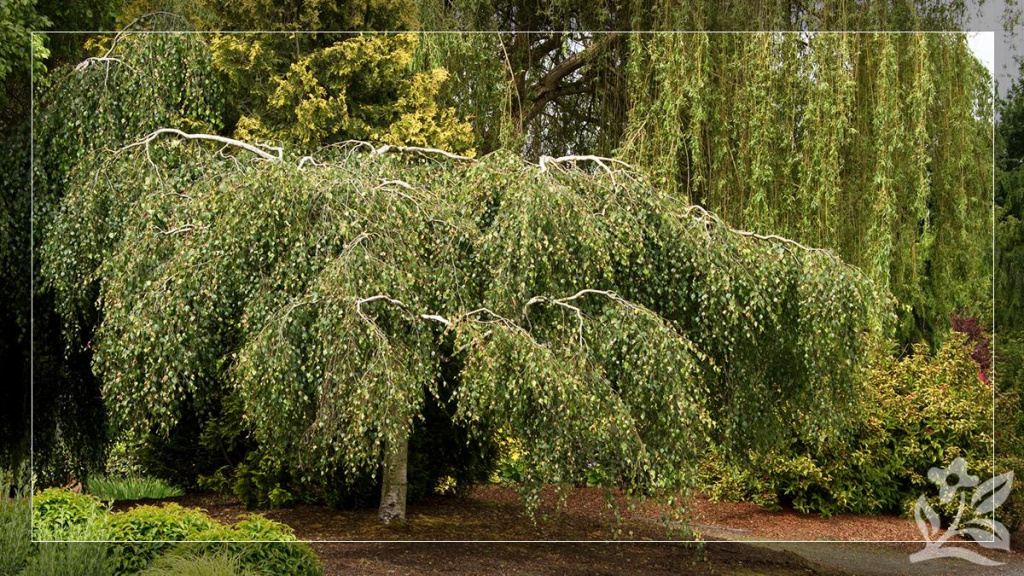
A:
[(392, 495)]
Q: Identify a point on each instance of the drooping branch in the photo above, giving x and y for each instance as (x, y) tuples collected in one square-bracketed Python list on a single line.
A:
[(708, 216), (564, 303), (399, 304), (212, 137), (107, 58)]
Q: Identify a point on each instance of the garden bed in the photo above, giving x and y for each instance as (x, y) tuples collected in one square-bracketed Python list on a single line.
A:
[(493, 514)]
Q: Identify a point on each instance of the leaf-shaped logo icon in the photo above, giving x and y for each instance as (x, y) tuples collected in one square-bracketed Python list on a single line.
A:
[(922, 507), (991, 534), (992, 493)]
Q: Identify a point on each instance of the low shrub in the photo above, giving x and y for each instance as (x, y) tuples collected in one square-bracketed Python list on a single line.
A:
[(122, 459), (168, 539), (152, 530), (131, 488), (1011, 513), (919, 412), (205, 565), (278, 553), (56, 509), (261, 483)]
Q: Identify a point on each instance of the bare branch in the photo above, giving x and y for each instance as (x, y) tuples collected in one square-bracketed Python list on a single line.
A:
[(401, 183), (399, 304), (212, 137), (101, 59), (549, 87), (706, 216), (564, 303), (182, 229), (387, 148), (601, 161)]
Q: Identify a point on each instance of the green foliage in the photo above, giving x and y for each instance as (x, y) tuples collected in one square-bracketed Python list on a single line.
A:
[(71, 551), (864, 144), (142, 525), (149, 536), (122, 461), (19, 18), (920, 411), (55, 509), (154, 79), (1009, 193), (206, 565), (68, 519), (1011, 513), (278, 553), (440, 453), (262, 483), (1009, 288), (166, 522), (15, 534), (131, 488), (308, 15), (600, 322), (360, 88)]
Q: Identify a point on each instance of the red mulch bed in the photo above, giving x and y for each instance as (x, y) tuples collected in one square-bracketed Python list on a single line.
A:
[(492, 514)]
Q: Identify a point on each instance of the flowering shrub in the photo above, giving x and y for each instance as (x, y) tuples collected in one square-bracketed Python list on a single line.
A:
[(919, 412), (976, 337)]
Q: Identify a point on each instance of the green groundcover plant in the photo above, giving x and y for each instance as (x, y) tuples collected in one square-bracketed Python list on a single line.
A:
[(157, 538), (204, 565), (112, 488)]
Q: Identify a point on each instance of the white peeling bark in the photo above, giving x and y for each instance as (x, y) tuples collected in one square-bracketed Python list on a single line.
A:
[(396, 483)]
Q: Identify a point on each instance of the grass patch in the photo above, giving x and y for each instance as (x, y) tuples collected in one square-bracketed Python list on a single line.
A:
[(213, 565), (131, 488), (15, 545)]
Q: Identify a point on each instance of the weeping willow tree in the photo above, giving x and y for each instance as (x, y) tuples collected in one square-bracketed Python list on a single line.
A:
[(609, 329), (876, 146)]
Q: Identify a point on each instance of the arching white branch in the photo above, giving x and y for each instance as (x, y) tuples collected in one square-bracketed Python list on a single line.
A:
[(211, 137), (304, 159), (388, 148), (401, 183), (101, 59), (564, 303), (399, 304), (708, 216), (182, 229), (599, 160)]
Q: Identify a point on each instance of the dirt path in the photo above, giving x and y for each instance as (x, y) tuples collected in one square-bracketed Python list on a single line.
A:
[(865, 558)]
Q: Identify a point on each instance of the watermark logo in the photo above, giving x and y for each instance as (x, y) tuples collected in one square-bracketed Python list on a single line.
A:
[(982, 527)]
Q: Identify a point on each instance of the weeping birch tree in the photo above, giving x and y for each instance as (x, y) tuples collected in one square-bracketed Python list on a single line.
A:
[(609, 329)]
